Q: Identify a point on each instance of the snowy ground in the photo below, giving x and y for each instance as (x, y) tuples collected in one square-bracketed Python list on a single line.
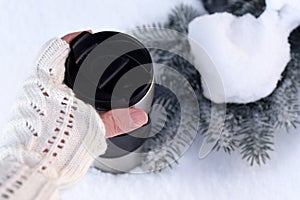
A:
[(27, 25)]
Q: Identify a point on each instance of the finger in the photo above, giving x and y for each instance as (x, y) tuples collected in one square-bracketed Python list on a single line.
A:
[(122, 121), (69, 37)]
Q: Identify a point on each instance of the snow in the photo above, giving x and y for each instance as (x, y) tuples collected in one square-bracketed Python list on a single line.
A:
[(27, 25), (248, 54), (279, 4), (219, 176), (288, 10)]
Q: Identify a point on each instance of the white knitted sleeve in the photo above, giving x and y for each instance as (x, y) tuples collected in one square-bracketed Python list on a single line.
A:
[(52, 138)]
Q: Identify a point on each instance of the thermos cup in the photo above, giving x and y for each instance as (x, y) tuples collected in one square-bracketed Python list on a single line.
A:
[(113, 70)]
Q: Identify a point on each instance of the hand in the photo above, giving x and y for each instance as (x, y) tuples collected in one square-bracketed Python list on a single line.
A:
[(117, 121)]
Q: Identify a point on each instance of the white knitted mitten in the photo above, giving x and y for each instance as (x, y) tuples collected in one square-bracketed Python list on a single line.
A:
[(53, 137)]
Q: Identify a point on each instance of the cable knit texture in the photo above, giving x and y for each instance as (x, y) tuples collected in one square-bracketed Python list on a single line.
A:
[(52, 138)]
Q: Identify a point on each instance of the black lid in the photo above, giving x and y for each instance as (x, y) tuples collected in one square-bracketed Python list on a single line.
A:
[(99, 63)]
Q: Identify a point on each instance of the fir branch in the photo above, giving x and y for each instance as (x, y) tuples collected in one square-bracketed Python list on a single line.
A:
[(180, 18), (257, 139), (255, 145), (228, 139), (242, 7), (285, 99), (250, 127), (295, 41), (213, 6), (168, 145), (279, 109)]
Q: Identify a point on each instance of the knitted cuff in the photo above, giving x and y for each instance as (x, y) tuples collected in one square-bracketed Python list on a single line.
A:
[(50, 65), (75, 132), (55, 135), (23, 182)]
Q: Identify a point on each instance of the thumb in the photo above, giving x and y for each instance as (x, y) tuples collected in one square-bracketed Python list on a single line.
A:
[(120, 121)]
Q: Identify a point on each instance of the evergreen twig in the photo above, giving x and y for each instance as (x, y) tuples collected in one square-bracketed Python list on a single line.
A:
[(248, 127)]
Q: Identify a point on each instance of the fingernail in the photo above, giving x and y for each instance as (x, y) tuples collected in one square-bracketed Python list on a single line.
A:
[(138, 117)]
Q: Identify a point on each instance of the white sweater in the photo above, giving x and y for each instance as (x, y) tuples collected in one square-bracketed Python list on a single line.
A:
[(52, 138)]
